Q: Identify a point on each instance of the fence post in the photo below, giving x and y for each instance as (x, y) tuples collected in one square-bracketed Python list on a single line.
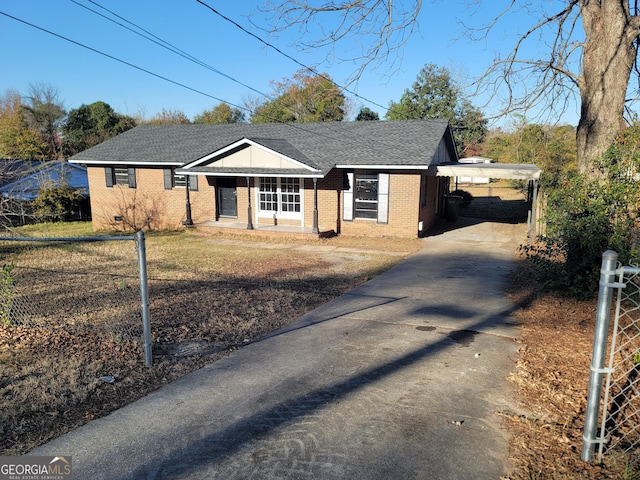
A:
[(144, 298), (603, 315)]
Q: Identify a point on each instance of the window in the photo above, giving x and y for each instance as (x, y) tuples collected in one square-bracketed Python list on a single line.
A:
[(120, 176), (179, 181), (366, 195), (290, 194), (269, 194), (280, 196), (175, 180)]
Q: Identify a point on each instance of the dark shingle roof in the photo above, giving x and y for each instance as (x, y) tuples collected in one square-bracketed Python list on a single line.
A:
[(320, 145)]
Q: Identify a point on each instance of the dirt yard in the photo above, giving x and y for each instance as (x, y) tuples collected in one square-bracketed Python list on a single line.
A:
[(551, 381), (51, 384), (209, 295)]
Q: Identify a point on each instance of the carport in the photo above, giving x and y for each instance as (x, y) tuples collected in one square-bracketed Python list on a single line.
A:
[(528, 172)]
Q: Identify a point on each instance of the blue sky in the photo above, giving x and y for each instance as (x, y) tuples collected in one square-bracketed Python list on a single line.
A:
[(31, 56)]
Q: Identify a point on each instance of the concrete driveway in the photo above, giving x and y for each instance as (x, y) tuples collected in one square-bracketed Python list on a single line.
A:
[(401, 378)]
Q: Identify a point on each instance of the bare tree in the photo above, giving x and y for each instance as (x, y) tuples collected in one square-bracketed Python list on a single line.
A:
[(45, 113), (14, 204), (374, 30), (585, 48), (169, 117), (132, 212)]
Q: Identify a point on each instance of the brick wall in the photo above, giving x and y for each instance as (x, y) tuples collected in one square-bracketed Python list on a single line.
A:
[(168, 207), (404, 207), (329, 197)]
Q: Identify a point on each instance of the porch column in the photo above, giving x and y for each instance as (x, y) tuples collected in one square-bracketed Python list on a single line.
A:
[(315, 206), (249, 209), (188, 221)]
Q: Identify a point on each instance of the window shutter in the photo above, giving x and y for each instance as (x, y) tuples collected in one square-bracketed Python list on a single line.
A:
[(168, 179), (108, 173), (193, 183), (383, 198), (132, 178), (347, 208)]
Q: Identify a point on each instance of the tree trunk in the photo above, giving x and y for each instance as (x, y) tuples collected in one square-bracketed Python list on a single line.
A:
[(608, 57)]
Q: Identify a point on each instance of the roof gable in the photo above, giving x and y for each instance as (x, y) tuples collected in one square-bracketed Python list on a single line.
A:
[(258, 153)]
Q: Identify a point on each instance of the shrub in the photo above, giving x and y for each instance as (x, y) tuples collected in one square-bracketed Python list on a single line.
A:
[(55, 203), (587, 215)]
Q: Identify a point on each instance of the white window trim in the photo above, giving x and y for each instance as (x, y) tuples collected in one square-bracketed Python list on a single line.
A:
[(279, 214)]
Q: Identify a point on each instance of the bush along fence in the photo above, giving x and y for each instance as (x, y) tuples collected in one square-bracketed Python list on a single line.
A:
[(614, 429), (90, 287)]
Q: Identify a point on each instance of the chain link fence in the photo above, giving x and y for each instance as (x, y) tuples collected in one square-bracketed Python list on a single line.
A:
[(88, 288), (615, 369)]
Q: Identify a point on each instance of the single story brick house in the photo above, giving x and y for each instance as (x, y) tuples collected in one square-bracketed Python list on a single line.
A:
[(373, 178)]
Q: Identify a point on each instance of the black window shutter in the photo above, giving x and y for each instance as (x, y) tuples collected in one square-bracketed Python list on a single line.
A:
[(168, 179), (132, 178), (108, 173), (193, 183)]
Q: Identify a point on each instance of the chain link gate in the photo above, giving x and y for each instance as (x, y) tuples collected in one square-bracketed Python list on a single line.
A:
[(617, 427)]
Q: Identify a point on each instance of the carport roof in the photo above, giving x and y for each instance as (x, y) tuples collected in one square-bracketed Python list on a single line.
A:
[(486, 170)]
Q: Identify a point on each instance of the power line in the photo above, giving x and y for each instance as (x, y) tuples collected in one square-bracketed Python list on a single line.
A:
[(167, 45), (286, 55), (124, 62), (299, 126), (172, 48), (163, 43)]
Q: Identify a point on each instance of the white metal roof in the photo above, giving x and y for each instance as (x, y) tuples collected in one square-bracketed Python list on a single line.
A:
[(486, 170)]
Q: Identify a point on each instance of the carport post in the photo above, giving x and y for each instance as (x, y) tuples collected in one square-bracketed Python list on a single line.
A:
[(188, 221), (533, 212)]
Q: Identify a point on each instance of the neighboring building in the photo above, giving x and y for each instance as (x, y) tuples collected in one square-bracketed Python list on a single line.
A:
[(24, 179), (350, 178), (13, 169), (473, 179), (50, 174)]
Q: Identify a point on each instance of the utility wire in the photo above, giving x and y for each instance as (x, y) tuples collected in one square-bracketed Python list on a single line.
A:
[(172, 48), (264, 42), (299, 126), (167, 45), (124, 62), (163, 43)]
